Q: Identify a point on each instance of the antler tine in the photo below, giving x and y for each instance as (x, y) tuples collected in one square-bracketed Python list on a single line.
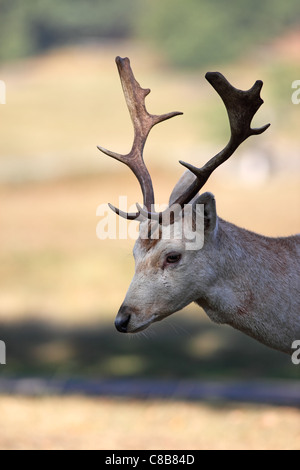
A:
[(241, 107), (142, 123)]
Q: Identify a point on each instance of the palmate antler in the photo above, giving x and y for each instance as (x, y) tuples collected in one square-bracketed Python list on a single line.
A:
[(241, 107)]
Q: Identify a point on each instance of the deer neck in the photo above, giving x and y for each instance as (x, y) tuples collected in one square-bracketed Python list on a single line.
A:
[(243, 293)]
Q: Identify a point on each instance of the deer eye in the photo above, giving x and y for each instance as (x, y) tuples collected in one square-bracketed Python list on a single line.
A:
[(173, 258)]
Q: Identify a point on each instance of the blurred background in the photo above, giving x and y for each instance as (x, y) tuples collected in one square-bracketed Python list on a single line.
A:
[(60, 286)]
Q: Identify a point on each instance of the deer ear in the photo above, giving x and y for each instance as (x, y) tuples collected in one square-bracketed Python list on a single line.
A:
[(206, 204)]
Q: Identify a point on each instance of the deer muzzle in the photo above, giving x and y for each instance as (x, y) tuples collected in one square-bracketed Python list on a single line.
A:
[(122, 319)]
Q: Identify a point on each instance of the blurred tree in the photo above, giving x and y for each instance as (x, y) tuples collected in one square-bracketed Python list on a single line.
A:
[(31, 26), (192, 33), (198, 32)]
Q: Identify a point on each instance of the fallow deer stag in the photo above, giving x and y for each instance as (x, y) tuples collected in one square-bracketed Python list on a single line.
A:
[(238, 277)]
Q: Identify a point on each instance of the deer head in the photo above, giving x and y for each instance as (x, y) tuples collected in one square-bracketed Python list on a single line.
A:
[(164, 279)]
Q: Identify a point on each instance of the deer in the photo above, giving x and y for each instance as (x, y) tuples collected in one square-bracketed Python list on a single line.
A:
[(239, 278)]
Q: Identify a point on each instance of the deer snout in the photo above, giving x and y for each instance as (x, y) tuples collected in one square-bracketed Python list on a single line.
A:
[(122, 319)]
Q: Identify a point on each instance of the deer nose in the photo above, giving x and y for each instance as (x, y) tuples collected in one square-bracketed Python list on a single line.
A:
[(122, 319)]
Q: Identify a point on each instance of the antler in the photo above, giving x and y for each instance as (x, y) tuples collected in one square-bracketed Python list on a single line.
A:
[(241, 107), (142, 123)]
